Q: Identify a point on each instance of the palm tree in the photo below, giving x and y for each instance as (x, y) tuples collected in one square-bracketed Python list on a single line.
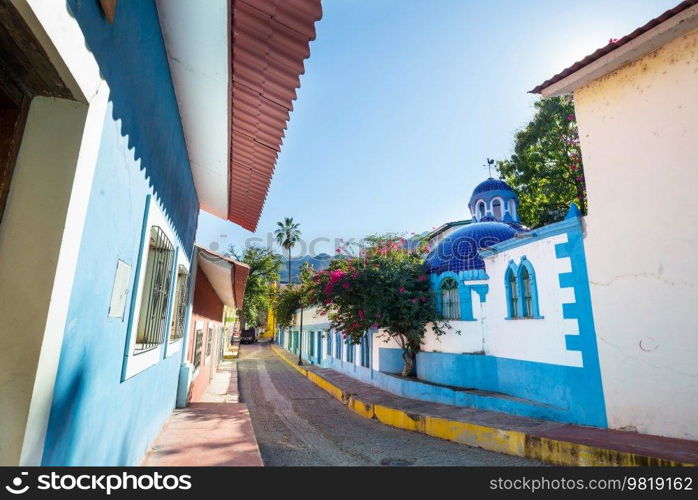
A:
[(287, 235)]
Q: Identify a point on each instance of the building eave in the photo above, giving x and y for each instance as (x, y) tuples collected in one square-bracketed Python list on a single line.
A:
[(670, 25), (227, 276), (235, 67)]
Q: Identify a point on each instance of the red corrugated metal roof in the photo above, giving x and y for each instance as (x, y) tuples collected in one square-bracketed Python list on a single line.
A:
[(270, 41), (611, 46)]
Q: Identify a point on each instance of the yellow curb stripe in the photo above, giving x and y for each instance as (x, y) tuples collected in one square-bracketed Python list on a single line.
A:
[(488, 438)]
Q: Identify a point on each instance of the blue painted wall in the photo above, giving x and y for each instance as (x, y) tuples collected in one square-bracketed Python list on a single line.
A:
[(574, 393), (95, 418), (533, 389)]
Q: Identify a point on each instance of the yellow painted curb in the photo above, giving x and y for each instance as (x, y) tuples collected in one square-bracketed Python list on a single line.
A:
[(510, 442)]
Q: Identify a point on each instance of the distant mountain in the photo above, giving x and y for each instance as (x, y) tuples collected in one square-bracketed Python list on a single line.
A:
[(319, 262)]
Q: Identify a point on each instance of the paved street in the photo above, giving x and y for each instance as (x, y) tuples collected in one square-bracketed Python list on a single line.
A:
[(297, 423)]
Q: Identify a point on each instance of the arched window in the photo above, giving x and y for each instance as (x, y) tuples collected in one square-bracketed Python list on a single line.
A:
[(512, 209), (512, 294), (481, 209), (497, 209), (526, 293), (529, 290), (450, 303)]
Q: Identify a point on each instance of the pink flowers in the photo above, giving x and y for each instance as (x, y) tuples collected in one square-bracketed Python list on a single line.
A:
[(336, 275), (401, 289), (414, 300), (374, 325), (421, 277), (571, 117), (338, 250), (345, 285), (362, 314), (423, 299)]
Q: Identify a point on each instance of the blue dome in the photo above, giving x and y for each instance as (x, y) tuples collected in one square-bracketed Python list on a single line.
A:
[(458, 251), (491, 184)]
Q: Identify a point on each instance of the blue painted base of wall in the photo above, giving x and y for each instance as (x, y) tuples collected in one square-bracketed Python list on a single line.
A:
[(565, 390), (482, 370)]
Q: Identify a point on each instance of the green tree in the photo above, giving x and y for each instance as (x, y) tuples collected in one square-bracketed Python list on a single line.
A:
[(264, 270), (546, 168), (289, 299), (286, 302), (287, 235), (386, 288)]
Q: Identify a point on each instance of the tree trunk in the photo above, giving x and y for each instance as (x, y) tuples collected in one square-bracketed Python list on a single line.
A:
[(289, 266), (408, 358)]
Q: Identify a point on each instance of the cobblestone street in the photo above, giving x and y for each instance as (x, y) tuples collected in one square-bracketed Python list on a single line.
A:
[(297, 423)]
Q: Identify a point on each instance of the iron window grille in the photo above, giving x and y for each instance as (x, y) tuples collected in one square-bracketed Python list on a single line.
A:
[(513, 295), (329, 344), (338, 346), (450, 302), (209, 339), (152, 322), (527, 295), (181, 302), (198, 341)]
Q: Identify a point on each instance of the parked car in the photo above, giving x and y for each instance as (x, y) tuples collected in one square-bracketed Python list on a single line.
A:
[(248, 336)]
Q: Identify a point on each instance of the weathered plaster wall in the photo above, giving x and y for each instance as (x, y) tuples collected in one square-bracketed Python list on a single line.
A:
[(638, 132)]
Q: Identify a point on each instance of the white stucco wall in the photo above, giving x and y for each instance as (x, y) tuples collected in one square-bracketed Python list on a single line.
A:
[(639, 136), (541, 340), (469, 340)]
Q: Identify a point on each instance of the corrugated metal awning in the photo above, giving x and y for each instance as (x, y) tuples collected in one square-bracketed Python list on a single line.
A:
[(270, 41)]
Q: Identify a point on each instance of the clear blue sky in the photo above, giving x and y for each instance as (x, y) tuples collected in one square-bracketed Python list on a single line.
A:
[(402, 101)]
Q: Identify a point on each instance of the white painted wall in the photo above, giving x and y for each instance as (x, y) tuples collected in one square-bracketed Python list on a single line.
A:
[(541, 340), (639, 136), (469, 340)]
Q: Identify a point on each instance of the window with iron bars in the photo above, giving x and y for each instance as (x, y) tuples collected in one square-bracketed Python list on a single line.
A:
[(152, 320), (181, 302), (209, 339), (450, 301), (198, 341)]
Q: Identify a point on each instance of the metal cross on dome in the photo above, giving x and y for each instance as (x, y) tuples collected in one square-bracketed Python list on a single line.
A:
[(490, 162)]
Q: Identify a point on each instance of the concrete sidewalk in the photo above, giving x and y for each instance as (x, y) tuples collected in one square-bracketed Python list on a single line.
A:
[(216, 431), (552, 442)]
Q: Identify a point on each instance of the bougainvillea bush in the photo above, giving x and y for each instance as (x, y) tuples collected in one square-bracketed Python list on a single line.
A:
[(386, 287)]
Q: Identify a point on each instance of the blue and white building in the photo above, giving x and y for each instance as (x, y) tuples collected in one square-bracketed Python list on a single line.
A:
[(521, 336)]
